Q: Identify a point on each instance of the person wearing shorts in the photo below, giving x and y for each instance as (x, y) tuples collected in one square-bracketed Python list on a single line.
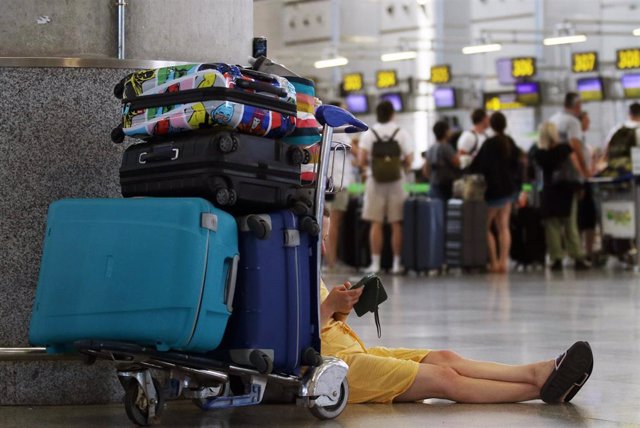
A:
[(499, 161), (384, 201), (388, 375)]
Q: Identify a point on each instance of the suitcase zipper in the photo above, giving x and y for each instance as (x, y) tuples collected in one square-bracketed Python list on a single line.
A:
[(210, 94)]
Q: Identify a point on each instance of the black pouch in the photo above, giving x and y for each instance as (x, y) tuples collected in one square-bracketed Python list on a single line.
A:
[(372, 296)]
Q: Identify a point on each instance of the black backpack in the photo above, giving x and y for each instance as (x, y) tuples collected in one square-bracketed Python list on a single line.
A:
[(386, 158), (619, 151)]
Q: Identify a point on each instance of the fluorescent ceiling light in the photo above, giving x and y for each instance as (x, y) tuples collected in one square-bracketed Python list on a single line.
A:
[(476, 49), (422, 2), (563, 40), (636, 32), (333, 62), (399, 56)]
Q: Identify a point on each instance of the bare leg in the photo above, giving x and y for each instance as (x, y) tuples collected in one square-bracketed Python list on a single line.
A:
[(491, 240), (396, 238), (334, 231), (502, 219), (534, 374), (375, 237), (434, 381)]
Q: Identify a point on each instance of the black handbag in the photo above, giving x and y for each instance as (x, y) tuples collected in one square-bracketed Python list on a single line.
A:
[(372, 296)]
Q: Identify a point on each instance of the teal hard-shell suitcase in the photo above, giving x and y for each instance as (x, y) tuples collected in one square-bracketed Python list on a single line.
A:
[(152, 271)]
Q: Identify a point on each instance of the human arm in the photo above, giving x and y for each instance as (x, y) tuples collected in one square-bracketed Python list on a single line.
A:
[(338, 303), (408, 161), (467, 143), (426, 169), (580, 164)]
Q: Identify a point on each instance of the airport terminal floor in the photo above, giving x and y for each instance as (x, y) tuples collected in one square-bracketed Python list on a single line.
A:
[(516, 318)]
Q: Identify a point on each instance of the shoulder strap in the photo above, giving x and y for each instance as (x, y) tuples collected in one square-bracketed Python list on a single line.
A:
[(475, 144), (376, 316), (393, 136), (375, 134)]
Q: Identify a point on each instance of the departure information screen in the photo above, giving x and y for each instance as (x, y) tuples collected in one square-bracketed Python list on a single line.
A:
[(584, 62), (523, 67), (353, 82), (440, 74), (627, 58), (386, 79)]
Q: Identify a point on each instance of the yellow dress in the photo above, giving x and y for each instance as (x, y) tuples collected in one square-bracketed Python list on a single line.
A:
[(376, 375)]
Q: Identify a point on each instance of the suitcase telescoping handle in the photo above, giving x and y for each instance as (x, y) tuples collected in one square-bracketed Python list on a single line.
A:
[(157, 153), (231, 263), (262, 87)]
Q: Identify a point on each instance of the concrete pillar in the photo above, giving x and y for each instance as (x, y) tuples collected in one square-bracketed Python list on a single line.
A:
[(54, 142)]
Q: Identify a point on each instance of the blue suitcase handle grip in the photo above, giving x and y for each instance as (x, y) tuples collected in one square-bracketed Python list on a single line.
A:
[(335, 117)]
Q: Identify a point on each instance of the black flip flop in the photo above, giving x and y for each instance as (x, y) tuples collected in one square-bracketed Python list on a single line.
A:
[(571, 371)]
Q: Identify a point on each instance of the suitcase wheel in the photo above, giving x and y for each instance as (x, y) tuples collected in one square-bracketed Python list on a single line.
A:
[(225, 197), (310, 225), (311, 357), (301, 207), (298, 156), (136, 403), (261, 361), (117, 134), (260, 228), (227, 143), (118, 90)]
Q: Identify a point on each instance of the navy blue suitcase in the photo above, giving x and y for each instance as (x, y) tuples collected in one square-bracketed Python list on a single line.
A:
[(274, 324), (423, 234)]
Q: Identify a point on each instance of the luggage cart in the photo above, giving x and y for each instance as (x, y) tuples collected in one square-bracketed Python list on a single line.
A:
[(618, 205), (212, 384)]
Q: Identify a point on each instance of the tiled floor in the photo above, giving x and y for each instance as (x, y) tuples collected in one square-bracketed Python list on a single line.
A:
[(516, 319)]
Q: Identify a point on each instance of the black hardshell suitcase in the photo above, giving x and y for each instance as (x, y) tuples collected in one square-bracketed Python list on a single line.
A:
[(528, 244), (423, 231), (237, 172), (353, 248), (466, 229)]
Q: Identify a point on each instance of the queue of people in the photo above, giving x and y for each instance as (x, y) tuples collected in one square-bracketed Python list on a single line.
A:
[(561, 157)]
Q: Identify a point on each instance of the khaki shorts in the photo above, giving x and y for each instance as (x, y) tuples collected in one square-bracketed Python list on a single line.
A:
[(383, 200), (340, 201)]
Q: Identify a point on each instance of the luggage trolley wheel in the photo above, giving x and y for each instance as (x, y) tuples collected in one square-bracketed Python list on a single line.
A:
[(136, 403), (332, 412), (227, 143)]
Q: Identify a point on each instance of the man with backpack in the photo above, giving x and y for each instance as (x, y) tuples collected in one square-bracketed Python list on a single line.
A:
[(470, 141), (620, 141), (386, 151)]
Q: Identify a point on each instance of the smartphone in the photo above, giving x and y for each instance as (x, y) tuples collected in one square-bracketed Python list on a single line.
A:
[(259, 47)]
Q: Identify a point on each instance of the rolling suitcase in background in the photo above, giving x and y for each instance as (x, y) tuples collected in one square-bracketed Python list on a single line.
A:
[(275, 306), (240, 173), (528, 246), (151, 271), (466, 236), (423, 234), (353, 248), (180, 98)]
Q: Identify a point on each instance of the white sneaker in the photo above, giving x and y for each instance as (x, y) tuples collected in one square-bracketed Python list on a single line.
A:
[(397, 270), (371, 269)]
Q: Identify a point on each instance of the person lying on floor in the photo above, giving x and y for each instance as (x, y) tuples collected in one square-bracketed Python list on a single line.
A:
[(384, 375)]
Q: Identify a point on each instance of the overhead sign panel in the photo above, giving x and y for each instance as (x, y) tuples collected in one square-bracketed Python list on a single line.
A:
[(386, 79), (627, 58), (353, 82), (584, 62), (440, 74), (522, 68)]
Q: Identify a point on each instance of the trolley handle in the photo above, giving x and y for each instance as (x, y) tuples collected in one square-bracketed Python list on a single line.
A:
[(333, 116)]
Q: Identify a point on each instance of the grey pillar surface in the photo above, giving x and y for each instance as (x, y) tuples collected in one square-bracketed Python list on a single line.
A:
[(54, 143)]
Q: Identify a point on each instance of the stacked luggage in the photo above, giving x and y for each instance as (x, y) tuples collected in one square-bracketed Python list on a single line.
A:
[(466, 234), (162, 271)]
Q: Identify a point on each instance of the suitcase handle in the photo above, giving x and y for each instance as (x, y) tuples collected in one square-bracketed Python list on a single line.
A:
[(230, 287), (159, 154), (265, 77), (262, 87)]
